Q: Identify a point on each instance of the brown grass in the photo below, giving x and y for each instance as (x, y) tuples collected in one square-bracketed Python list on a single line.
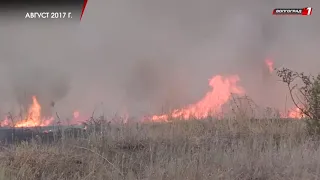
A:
[(181, 150)]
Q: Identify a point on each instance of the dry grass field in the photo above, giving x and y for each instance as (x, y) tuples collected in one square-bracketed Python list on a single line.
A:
[(180, 150)]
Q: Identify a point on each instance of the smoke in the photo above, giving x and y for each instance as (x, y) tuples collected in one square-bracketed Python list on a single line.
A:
[(47, 85), (148, 56)]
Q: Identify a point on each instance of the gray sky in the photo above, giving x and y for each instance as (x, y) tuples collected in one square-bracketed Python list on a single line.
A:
[(149, 54)]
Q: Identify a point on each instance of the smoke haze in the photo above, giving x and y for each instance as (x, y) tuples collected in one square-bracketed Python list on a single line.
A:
[(148, 56)]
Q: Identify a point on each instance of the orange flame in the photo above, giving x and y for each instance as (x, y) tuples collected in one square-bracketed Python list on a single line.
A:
[(34, 116), (5, 122), (295, 113), (270, 64), (211, 103)]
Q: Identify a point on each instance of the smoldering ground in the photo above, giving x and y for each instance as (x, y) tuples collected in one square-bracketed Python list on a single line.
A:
[(145, 55)]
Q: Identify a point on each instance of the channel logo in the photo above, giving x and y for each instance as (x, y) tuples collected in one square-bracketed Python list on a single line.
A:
[(307, 11)]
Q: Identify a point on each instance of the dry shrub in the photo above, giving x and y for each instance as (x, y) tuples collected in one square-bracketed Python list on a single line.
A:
[(304, 91)]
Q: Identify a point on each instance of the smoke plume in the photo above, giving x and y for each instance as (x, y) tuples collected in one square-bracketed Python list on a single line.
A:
[(148, 56)]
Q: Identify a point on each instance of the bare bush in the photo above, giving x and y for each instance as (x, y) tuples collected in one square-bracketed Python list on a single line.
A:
[(304, 91)]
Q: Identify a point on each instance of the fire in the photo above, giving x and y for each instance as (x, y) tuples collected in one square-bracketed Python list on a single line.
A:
[(76, 119), (33, 117), (294, 113), (270, 64), (5, 122), (211, 103)]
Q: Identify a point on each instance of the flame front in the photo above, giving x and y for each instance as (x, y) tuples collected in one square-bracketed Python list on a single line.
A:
[(33, 117), (211, 104)]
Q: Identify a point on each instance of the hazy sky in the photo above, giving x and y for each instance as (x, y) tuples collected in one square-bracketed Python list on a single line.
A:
[(143, 55)]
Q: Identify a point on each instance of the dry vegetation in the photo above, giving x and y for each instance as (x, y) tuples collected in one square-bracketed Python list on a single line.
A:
[(206, 149)]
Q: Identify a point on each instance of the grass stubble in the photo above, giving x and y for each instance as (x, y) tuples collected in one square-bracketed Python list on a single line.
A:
[(179, 150)]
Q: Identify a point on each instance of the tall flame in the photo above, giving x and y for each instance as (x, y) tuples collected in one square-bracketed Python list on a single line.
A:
[(211, 103), (33, 117)]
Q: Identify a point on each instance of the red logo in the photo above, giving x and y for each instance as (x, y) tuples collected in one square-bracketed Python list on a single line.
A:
[(307, 11)]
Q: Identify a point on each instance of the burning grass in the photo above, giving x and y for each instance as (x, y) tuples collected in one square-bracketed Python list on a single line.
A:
[(224, 92), (207, 149), (195, 147)]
